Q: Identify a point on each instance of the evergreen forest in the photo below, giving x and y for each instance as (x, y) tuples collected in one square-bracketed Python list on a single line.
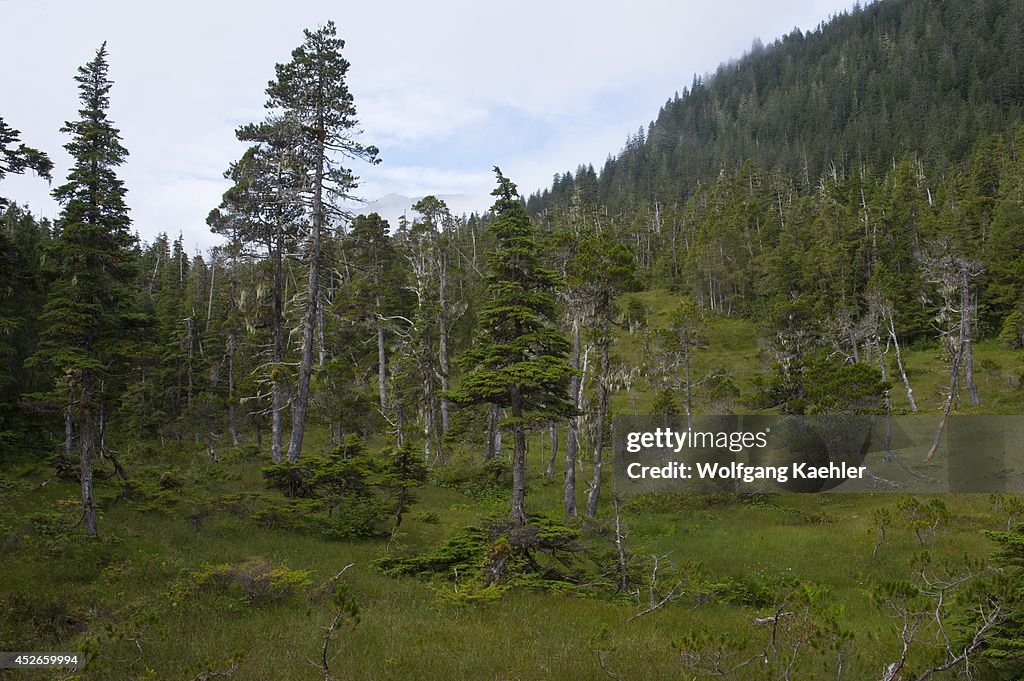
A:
[(334, 447)]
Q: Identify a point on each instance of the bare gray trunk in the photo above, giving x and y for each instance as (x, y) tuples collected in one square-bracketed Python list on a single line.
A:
[(492, 448), (954, 388), (602, 414), (189, 342), (518, 506), (276, 376), (688, 401), (553, 432), (300, 405), (232, 405), (69, 435), (572, 442), (209, 304), (382, 361), (86, 441), (899, 363), (442, 341)]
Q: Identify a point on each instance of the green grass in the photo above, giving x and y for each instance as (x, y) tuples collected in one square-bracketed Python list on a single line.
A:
[(120, 597), (406, 631)]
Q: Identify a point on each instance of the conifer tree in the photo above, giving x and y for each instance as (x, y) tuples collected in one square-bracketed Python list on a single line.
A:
[(310, 91), (260, 212), (85, 315), (519, 358)]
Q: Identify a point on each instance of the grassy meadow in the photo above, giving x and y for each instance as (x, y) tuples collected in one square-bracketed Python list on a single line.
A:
[(144, 600)]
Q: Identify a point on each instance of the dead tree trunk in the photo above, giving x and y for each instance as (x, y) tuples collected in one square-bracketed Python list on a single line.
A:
[(572, 444), (602, 414), (888, 315), (553, 431), (300, 405), (518, 506), (382, 360)]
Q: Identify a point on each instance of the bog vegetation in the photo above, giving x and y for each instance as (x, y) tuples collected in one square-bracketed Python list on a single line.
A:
[(334, 447)]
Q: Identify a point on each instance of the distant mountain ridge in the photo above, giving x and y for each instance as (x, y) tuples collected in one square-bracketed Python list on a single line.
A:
[(870, 85)]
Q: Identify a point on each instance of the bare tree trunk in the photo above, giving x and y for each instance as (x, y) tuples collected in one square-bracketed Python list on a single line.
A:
[(493, 447), (190, 343), (209, 304), (620, 546), (321, 343), (954, 378), (550, 472), (68, 432), (442, 329), (602, 415), (899, 361), (572, 444), (232, 405), (382, 360), (518, 507), (966, 313), (86, 441), (300, 406), (276, 375), (688, 401), (882, 368)]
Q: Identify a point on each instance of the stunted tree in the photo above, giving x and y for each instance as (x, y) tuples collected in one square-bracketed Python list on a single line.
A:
[(598, 272), (311, 93), (377, 285), (259, 214), (953, 276), (85, 316), (519, 358)]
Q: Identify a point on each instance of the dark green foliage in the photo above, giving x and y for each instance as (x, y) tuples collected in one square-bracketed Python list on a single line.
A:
[(88, 321), (23, 243), (310, 95), (403, 471), (843, 389), (485, 481), (345, 470), (85, 313), (18, 159), (501, 554), (519, 357), (346, 493), (519, 354), (876, 82), (1005, 650)]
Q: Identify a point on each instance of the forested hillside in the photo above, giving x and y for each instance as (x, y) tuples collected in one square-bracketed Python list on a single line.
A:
[(195, 448), (874, 84)]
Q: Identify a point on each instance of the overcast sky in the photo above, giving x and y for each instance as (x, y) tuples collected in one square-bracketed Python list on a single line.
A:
[(446, 89)]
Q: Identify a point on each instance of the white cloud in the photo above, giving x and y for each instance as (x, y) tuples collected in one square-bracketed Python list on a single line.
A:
[(579, 75)]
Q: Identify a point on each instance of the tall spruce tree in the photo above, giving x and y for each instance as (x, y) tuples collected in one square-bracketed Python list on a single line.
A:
[(85, 315), (519, 358), (311, 92)]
